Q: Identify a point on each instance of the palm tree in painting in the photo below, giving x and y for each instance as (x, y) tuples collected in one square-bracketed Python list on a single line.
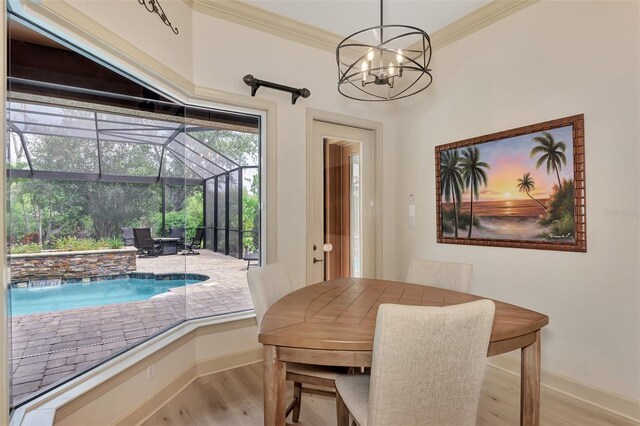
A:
[(552, 154), (526, 185), (451, 181), (473, 175)]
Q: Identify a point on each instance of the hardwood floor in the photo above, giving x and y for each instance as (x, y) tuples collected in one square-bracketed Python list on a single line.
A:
[(234, 398)]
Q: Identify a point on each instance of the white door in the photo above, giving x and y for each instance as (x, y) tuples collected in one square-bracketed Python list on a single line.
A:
[(362, 235)]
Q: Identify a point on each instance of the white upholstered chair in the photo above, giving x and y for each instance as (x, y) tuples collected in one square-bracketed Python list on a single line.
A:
[(449, 275), (427, 367), (267, 285)]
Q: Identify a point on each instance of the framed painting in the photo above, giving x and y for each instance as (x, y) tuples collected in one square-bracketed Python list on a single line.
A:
[(522, 188)]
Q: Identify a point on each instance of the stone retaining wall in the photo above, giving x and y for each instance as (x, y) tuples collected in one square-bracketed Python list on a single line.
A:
[(79, 264)]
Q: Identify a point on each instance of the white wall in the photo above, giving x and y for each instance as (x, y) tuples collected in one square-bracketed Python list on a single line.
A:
[(224, 52), (551, 60)]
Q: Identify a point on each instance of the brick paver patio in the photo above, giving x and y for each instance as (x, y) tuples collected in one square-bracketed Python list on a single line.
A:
[(53, 346)]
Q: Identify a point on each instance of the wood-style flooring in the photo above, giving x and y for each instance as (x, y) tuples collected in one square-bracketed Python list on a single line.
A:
[(234, 398)]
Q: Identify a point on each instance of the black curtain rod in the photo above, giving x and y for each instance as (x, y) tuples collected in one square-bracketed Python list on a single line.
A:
[(255, 84)]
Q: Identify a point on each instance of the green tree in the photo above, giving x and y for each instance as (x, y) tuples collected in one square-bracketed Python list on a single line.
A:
[(114, 205), (451, 181), (251, 214), (552, 153), (474, 176), (49, 208), (240, 147), (526, 185)]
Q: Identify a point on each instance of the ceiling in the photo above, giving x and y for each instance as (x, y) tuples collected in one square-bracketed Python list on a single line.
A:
[(344, 17)]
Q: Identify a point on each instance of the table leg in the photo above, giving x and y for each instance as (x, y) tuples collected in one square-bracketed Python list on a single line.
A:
[(530, 384), (342, 411), (274, 376)]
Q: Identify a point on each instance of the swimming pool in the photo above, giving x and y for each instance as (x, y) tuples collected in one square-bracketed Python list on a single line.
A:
[(31, 300)]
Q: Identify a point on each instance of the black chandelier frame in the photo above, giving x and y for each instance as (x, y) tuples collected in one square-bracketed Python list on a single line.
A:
[(352, 73), (382, 78)]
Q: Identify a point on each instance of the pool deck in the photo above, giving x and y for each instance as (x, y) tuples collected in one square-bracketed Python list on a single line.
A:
[(54, 346)]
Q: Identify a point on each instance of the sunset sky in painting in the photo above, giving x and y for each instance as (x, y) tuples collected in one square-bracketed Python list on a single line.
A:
[(510, 159)]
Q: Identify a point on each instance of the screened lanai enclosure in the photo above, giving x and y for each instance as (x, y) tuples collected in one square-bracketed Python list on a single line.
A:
[(83, 169)]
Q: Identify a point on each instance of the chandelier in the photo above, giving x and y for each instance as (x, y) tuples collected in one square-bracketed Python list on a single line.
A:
[(384, 62)]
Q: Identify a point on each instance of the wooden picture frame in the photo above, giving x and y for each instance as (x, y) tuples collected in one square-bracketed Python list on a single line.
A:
[(537, 178)]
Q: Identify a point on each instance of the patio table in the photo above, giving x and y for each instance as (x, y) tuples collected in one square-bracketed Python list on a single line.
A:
[(168, 245)]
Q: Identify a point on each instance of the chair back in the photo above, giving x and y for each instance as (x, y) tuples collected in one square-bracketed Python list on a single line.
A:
[(267, 285), (177, 232), (197, 239), (127, 236), (142, 238), (449, 275), (428, 364)]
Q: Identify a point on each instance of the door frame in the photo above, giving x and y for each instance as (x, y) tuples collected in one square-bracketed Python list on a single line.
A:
[(313, 116)]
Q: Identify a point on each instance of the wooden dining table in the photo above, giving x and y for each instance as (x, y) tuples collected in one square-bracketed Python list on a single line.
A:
[(332, 323)]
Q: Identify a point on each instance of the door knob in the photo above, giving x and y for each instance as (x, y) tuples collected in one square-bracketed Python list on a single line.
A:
[(317, 260)]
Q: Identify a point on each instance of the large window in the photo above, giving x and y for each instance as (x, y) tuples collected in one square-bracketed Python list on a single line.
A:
[(106, 190)]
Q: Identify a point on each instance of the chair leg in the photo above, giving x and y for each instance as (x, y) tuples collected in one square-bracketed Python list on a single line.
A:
[(297, 394), (342, 411)]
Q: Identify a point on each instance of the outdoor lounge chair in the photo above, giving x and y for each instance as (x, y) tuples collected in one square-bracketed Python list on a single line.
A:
[(178, 232), (196, 242), (145, 243), (127, 236)]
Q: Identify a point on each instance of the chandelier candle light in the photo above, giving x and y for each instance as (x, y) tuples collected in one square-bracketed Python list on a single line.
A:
[(384, 63)]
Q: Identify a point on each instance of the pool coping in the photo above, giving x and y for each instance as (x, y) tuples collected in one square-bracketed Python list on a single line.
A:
[(70, 252), (138, 275)]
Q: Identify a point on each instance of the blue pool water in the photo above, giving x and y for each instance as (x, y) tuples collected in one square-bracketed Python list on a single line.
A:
[(106, 292)]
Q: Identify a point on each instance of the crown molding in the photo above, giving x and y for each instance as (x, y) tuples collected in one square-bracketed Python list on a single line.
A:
[(269, 22), (281, 26), (477, 20)]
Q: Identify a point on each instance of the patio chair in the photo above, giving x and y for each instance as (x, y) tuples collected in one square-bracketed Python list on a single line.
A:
[(178, 232), (145, 243), (196, 242), (127, 236), (252, 257)]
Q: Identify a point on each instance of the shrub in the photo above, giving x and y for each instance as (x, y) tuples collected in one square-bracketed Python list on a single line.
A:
[(560, 203), (25, 248), (31, 238), (74, 244), (563, 226), (464, 218), (111, 243), (82, 244)]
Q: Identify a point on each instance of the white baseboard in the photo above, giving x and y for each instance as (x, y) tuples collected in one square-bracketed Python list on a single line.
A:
[(614, 403)]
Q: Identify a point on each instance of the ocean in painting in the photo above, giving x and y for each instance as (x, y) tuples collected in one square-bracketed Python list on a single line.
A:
[(505, 208), (508, 220)]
